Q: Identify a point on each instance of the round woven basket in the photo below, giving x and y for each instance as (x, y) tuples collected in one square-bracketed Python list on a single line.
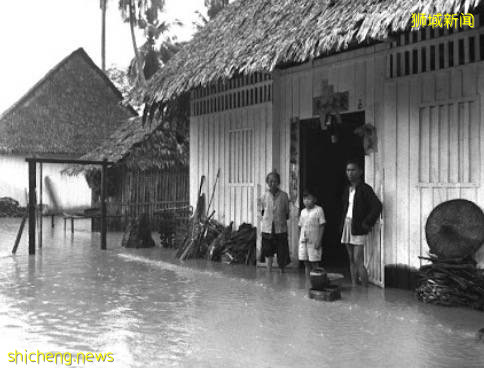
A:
[(455, 229)]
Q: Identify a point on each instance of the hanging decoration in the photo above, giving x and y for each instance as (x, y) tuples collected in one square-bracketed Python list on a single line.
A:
[(367, 132), (329, 107)]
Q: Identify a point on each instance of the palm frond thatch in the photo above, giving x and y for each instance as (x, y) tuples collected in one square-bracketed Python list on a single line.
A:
[(139, 146), (257, 35), (69, 111)]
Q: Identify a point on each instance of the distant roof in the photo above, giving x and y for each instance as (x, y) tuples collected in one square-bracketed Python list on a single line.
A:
[(139, 146), (70, 111), (251, 36)]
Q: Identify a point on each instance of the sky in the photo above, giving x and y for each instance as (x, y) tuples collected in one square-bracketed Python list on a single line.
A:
[(35, 35)]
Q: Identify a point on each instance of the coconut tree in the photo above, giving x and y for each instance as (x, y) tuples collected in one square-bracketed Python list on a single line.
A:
[(140, 13), (102, 5), (145, 14)]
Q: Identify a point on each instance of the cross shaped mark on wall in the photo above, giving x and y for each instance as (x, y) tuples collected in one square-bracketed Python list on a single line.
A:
[(329, 104)]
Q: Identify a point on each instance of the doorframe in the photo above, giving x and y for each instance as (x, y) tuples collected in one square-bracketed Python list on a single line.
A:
[(369, 175), (374, 164)]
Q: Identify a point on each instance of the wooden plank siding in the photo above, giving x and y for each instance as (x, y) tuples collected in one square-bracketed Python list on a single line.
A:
[(238, 140)]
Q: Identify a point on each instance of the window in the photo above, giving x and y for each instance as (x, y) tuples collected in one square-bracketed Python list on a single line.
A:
[(449, 143)]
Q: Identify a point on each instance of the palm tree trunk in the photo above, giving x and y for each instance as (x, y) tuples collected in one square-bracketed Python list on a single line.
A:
[(103, 35), (141, 77)]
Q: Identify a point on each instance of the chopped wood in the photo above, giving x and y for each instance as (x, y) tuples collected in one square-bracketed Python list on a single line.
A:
[(451, 282)]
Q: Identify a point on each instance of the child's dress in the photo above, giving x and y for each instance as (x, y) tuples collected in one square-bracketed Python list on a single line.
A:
[(310, 222)]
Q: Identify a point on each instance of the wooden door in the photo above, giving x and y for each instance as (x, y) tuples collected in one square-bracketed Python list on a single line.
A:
[(374, 260)]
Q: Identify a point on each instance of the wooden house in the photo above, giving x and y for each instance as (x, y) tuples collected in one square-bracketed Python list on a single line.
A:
[(65, 115), (263, 72), (150, 171)]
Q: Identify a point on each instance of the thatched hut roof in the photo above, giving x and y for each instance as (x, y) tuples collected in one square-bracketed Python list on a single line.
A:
[(257, 35), (68, 112), (140, 146)]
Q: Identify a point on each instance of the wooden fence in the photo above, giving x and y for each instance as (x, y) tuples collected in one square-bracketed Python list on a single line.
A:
[(154, 190), (149, 192)]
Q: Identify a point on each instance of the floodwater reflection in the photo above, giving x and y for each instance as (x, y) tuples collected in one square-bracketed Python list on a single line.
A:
[(152, 311)]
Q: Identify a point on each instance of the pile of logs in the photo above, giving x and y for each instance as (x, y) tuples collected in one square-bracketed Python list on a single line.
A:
[(451, 282), (234, 246), (10, 208), (207, 238), (454, 232)]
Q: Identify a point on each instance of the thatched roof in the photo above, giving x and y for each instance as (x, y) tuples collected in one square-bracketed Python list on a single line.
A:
[(69, 111), (140, 146), (258, 35)]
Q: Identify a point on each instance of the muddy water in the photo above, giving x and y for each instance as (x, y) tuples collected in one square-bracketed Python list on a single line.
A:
[(151, 311)]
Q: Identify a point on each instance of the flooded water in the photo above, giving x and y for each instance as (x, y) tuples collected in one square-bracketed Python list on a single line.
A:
[(151, 311)]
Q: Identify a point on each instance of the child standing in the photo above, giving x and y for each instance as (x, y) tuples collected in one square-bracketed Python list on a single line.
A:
[(275, 213), (311, 227)]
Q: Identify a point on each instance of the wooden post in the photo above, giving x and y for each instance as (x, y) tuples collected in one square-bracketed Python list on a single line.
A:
[(103, 35), (31, 206), (103, 205), (40, 205)]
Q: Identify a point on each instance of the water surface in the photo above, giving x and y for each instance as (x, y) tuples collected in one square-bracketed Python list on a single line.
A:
[(152, 311)]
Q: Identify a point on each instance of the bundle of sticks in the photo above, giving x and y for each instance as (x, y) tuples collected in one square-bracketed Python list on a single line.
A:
[(235, 246), (451, 282), (208, 238), (201, 226)]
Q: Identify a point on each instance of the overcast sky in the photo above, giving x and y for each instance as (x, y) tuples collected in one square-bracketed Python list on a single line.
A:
[(35, 35)]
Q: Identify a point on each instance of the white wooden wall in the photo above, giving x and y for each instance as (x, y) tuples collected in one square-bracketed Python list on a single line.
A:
[(239, 142), (433, 152), (433, 132), (72, 191)]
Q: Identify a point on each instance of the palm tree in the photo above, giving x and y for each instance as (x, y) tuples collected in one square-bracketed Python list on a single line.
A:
[(144, 14), (103, 4), (141, 13)]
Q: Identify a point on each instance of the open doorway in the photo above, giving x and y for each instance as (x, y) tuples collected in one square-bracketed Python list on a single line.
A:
[(322, 172)]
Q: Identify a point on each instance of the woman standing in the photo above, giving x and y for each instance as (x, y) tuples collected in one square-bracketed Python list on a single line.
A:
[(275, 213), (361, 209)]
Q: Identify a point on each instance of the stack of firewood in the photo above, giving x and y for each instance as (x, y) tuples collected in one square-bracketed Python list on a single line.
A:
[(200, 235), (207, 238), (451, 282), (235, 246)]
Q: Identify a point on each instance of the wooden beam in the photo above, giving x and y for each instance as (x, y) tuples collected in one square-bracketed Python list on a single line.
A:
[(103, 205), (31, 206)]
